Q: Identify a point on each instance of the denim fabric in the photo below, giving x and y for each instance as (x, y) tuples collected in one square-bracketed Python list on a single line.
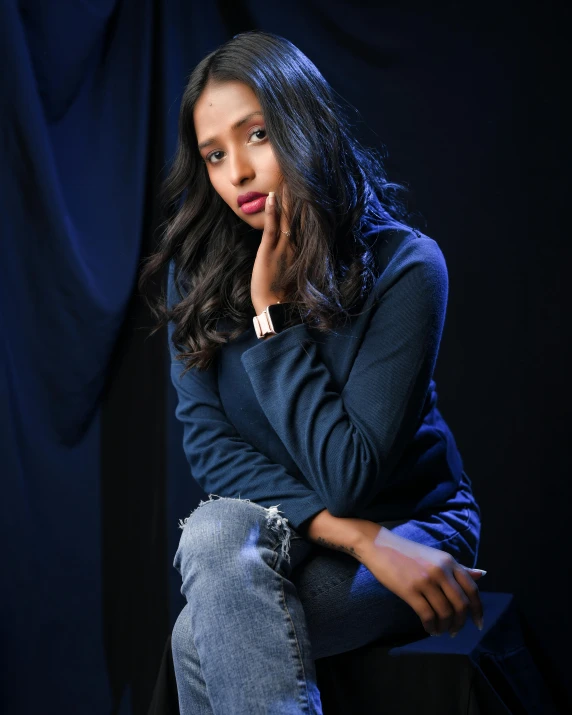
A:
[(263, 603)]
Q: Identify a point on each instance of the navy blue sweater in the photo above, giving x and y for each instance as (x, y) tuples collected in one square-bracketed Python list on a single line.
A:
[(347, 420)]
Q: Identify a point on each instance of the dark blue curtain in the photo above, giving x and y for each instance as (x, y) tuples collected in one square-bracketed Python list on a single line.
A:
[(93, 475)]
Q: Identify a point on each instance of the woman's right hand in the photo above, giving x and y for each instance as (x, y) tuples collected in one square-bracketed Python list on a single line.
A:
[(441, 591)]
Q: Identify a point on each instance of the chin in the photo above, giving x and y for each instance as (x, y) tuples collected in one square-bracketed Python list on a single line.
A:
[(255, 220)]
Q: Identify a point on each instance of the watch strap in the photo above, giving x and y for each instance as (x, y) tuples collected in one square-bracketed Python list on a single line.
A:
[(263, 323)]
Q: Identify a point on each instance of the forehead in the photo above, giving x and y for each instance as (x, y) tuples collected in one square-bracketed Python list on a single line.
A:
[(220, 105)]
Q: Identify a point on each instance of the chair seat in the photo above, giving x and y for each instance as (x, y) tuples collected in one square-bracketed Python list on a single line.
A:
[(488, 672)]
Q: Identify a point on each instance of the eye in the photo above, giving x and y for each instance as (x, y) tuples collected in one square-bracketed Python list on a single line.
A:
[(216, 157), (258, 131), (209, 158)]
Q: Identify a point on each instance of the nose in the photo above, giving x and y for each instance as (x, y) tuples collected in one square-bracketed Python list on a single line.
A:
[(241, 168)]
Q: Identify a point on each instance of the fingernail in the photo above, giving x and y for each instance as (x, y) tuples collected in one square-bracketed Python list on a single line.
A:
[(271, 194), (454, 633), (480, 624), (483, 572)]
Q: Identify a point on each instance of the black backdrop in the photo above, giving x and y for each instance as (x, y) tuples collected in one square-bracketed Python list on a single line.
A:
[(468, 102)]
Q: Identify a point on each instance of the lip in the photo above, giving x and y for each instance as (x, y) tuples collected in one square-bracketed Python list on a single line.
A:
[(250, 196), (254, 206)]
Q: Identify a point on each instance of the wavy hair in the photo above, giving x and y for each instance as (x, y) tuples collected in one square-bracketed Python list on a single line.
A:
[(335, 186)]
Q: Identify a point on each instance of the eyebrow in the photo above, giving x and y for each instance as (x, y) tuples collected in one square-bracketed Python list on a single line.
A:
[(236, 125)]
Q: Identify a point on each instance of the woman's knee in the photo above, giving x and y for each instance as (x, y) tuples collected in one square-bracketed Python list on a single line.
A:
[(229, 530)]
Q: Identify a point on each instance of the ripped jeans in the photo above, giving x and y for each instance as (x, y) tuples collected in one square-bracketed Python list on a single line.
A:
[(263, 603)]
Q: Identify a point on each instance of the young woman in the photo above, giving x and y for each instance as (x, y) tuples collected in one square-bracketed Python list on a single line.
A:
[(304, 319)]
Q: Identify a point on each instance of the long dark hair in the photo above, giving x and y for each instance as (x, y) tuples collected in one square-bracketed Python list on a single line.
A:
[(335, 187)]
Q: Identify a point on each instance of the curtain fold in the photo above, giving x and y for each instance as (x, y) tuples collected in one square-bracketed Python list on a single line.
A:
[(94, 479)]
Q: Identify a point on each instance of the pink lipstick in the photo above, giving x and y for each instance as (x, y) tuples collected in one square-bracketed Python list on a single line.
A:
[(252, 207), (252, 202)]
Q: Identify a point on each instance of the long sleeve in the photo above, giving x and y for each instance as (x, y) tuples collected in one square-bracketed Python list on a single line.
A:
[(347, 443), (222, 462)]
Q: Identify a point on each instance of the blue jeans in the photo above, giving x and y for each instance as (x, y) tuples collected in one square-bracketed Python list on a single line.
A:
[(263, 603)]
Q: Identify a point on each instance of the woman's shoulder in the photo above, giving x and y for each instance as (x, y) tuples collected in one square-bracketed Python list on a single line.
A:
[(400, 249)]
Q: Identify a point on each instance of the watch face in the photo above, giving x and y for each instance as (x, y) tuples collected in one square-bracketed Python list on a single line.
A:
[(277, 314)]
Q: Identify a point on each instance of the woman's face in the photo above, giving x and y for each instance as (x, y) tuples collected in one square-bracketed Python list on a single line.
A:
[(232, 141)]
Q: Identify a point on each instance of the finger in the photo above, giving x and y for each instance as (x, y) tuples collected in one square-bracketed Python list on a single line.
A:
[(466, 582), (459, 601), (270, 222), (441, 605), (476, 574), (425, 612), (284, 242)]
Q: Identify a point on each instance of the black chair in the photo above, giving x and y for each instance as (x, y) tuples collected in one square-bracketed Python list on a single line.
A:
[(488, 672)]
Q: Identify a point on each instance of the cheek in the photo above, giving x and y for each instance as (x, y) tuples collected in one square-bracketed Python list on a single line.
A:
[(219, 186), (271, 163)]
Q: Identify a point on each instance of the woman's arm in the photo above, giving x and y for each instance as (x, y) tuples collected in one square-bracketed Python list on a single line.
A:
[(441, 591), (333, 532), (347, 442), (220, 461)]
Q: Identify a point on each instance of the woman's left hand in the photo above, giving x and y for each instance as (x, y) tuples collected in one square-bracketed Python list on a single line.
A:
[(274, 255), (440, 590)]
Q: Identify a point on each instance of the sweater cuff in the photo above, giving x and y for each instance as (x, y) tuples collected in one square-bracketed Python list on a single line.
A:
[(297, 513), (292, 337)]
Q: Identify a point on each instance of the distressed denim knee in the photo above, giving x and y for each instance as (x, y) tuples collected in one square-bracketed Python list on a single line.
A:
[(223, 533), (241, 644)]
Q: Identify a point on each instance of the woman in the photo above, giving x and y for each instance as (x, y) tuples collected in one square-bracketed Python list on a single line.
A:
[(304, 319)]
